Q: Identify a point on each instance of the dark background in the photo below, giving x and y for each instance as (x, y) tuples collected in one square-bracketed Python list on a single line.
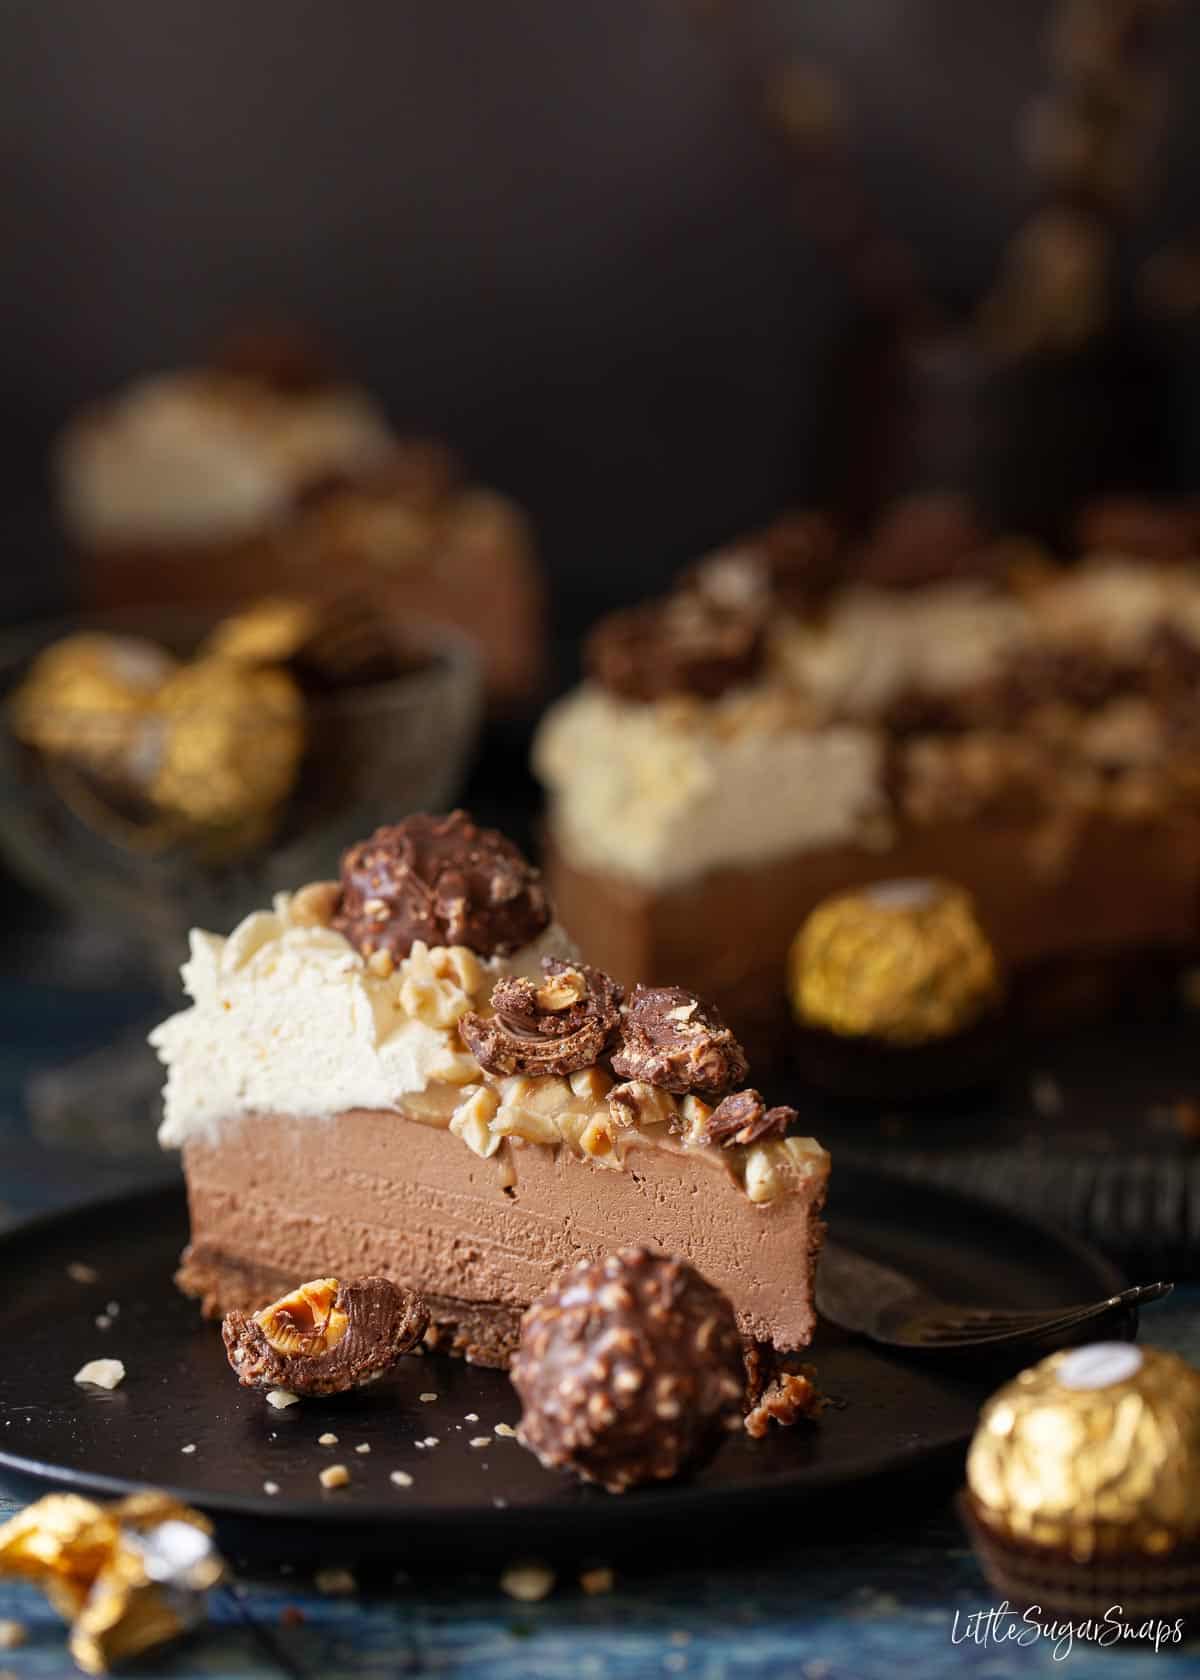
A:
[(556, 231)]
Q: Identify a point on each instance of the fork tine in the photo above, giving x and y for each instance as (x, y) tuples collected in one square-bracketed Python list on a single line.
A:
[(943, 1332)]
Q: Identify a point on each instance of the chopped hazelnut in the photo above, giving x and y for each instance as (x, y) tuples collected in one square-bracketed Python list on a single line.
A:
[(527, 1581), (101, 1373), (308, 1321), (314, 905), (595, 1581), (281, 1398), (334, 1476)]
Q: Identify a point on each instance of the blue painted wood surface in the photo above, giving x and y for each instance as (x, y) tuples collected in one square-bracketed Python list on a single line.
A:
[(880, 1607)]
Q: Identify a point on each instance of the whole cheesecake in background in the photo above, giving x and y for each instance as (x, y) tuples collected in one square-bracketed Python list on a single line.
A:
[(963, 709), (410, 1074), (265, 472)]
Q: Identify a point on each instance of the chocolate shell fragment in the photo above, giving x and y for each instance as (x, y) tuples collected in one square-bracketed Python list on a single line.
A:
[(325, 1337), (443, 880), (629, 1370), (685, 644), (559, 1027), (671, 1039), (743, 1117)]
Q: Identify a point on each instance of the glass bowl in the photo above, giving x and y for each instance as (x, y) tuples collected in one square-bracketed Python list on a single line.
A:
[(372, 753)]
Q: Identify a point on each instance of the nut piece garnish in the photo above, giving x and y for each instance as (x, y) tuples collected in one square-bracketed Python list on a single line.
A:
[(79, 1272), (334, 1476), (595, 1581), (744, 1118), (669, 1038), (527, 1581), (314, 905), (282, 1398), (559, 1027), (101, 1373), (790, 1397), (12, 1634), (629, 1369), (333, 1582), (325, 1337)]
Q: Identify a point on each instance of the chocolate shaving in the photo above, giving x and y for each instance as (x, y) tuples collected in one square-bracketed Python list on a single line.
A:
[(684, 644), (442, 880), (562, 1025), (629, 1370), (382, 1322), (743, 1117), (671, 1039)]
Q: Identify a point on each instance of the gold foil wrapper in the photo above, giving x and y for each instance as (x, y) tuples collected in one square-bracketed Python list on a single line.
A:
[(905, 962), (1095, 1451), (127, 1576), (270, 632), (233, 738), (89, 698)]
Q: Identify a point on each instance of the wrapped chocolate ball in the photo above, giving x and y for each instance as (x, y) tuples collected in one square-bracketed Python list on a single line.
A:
[(1083, 1485), (896, 991), (629, 1370), (233, 738), (89, 699)]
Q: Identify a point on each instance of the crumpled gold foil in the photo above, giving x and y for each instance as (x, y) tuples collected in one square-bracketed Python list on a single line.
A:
[(233, 737), (89, 698), (270, 632), (905, 962), (127, 1576), (1095, 1450)]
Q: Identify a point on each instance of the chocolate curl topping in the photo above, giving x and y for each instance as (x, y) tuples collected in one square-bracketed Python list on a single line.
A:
[(671, 1039), (685, 644), (559, 1027), (442, 880), (743, 1118)]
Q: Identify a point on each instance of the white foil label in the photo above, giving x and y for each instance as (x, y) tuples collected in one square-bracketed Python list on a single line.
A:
[(1100, 1365), (902, 895)]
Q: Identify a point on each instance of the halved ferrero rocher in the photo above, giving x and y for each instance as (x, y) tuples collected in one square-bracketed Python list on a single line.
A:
[(325, 1336), (558, 1027)]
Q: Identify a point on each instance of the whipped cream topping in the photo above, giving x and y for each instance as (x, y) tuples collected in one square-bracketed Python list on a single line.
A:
[(287, 1017), (661, 793), (199, 456)]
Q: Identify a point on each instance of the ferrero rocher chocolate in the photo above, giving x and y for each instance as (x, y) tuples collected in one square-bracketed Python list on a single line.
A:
[(1094, 1451), (904, 962), (233, 737), (270, 632), (128, 1576), (88, 698)]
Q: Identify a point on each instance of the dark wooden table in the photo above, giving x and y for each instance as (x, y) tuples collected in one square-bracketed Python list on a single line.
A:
[(886, 1592)]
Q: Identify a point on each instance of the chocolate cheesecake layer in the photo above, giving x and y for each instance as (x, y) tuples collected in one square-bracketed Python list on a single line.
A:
[(1120, 886), (274, 1197)]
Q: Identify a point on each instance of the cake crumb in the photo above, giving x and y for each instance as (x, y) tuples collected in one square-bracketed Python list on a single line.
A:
[(81, 1273), (401, 1478), (595, 1581), (334, 1476), (1046, 1095), (329, 1439), (334, 1581), (505, 1429), (190, 1448), (430, 1441), (500, 1504), (12, 1634), (786, 1400), (101, 1373), (113, 1309), (426, 1397), (363, 1447), (527, 1581), (103, 1321), (471, 1417), (281, 1398), (270, 1487), (480, 1441)]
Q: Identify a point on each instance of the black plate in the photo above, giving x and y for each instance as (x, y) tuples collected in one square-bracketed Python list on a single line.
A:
[(892, 1413)]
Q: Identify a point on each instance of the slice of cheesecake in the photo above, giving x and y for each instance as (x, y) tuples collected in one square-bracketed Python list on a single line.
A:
[(410, 1074)]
